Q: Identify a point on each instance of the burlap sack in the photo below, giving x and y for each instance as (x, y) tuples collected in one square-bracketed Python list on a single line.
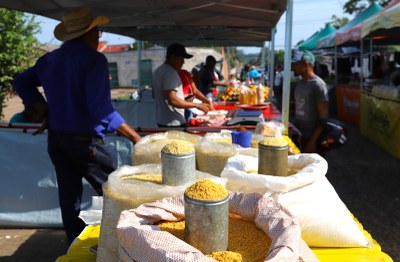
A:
[(141, 240)]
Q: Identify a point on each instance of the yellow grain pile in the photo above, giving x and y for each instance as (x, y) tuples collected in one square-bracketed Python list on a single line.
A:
[(175, 228), (224, 140), (149, 153), (154, 178), (245, 240), (178, 148), (222, 137), (226, 256), (293, 149), (148, 149), (273, 141), (206, 190)]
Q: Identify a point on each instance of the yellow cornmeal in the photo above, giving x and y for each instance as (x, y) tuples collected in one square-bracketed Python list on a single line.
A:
[(226, 256), (175, 228), (223, 140), (178, 148), (293, 149), (155, 178), (273, 141), (206, 190), (245, 240)]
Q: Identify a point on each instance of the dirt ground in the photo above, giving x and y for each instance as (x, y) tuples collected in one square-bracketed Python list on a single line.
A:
[(13, 105)]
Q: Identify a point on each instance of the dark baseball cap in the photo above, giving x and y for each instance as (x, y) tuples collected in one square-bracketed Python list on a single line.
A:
[(303, 56), (178, 50), (210, 59)]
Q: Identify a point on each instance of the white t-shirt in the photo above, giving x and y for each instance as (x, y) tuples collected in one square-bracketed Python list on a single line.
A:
[(166, 78), (278, 78)]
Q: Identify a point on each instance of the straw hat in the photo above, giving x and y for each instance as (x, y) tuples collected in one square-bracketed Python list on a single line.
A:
[(77, 22)]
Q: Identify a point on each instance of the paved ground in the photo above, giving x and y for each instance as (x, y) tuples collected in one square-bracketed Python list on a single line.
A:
[(366, 178)]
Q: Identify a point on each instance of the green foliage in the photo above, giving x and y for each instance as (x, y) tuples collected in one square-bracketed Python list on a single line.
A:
[(356, 6), (337, 22), (17, 47), (279, 57)]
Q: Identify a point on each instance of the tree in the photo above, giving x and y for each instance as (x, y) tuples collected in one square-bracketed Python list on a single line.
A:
[(337, 22), (356, 6), (17, 47)]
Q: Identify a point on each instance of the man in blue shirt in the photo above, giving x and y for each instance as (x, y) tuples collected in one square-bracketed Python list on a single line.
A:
[(76, 85)]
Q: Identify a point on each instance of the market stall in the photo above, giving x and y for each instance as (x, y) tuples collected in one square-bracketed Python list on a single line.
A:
[(348, 95), (348, 103), (380, 98), (245, 23), (311, 43), (380, 119)]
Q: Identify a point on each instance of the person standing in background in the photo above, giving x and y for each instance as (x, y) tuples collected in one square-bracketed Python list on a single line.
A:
[(75, 80), (254, 75), (209, 79), (311, 102), (168, 91), (244, 74), (278, 85)]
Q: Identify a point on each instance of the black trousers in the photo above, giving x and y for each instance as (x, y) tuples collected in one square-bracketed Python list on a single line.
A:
[(77, 156)]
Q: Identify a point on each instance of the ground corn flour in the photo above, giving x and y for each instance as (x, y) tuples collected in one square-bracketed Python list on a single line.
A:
[(155, 178), (246, 243), (178, 148), (206, 190), (274, 141)]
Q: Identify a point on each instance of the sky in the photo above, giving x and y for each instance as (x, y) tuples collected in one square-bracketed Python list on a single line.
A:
[(309, 16)]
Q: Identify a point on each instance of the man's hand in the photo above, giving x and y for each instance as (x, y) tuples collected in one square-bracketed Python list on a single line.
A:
[(128, 132), (204, 107), (211, 105)]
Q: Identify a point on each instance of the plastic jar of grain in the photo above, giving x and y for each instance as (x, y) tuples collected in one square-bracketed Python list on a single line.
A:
[(207, 216), (178, 163), (273, 156)]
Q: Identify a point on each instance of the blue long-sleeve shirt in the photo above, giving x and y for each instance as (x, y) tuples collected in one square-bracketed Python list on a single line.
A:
[(77, 89)]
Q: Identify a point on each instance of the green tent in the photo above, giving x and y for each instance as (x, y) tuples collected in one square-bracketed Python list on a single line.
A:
[(329, 40), (311, 43)]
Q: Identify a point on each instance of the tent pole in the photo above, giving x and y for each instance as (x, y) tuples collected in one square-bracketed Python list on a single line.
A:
[(271, 63), (139, 57), (361, 62), (287, 66), (336, 67), (370, 52), (263, 55)]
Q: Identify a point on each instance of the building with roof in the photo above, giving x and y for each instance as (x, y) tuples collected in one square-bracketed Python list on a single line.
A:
[(123, 62)]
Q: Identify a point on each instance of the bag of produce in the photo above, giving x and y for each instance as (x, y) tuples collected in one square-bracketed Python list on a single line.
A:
[(140, 239), (213, 151), (325, 220), (148, 149), (129, 187)]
